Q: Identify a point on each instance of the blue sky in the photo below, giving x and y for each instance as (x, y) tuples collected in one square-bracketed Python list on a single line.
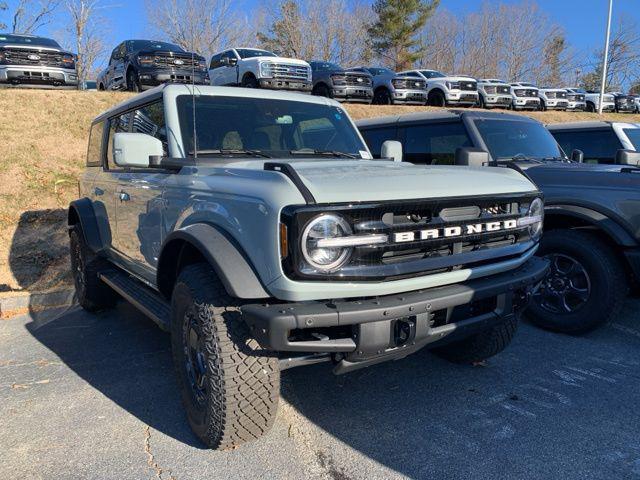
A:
[(583, 20)]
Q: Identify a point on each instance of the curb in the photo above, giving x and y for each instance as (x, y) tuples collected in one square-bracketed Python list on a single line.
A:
[(26, 300)]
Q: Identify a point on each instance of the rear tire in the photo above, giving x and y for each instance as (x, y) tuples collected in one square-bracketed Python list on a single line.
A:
[(586, 276), (480, 346), (91, 292), (229, 386)]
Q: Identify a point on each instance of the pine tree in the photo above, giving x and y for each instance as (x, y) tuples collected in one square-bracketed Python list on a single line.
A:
[(395, 35)]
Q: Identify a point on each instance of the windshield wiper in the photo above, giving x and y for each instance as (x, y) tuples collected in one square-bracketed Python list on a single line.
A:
[(331, 153), (232, 151)]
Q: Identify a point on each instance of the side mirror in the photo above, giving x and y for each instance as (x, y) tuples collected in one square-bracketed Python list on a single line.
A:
[(577, 156), (391, 149), (628, 157), (134, 149), (471, 157)]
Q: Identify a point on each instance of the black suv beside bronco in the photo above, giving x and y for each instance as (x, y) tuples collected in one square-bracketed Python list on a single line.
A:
[(137, 65), (592, 227)]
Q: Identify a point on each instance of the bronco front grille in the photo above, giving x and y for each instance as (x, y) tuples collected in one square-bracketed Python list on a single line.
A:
[(406, 254), (20, 56)]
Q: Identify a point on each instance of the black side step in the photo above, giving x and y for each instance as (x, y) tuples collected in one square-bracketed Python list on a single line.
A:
[(140, 296)]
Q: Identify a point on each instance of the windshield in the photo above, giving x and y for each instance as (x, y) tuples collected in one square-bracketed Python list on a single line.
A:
[(137, 45), (380, 71), (32, 41), (507, 139), (252, 52), (432, 74), (325, 66), (634, 137), (277, 128)]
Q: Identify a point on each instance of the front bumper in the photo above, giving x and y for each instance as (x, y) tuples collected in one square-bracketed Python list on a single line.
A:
[(409, 97), (26, 75), (284, 84), (462, 98), (352, 93), (556, 104), (626, 108), (493, 100), (524, 103), (430, 315), (575, 106), (150, 78)]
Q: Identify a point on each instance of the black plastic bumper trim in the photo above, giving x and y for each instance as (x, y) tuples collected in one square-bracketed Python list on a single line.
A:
[(271, 324)]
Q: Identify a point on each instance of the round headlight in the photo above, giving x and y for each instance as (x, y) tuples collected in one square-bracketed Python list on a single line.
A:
[(323, 227)]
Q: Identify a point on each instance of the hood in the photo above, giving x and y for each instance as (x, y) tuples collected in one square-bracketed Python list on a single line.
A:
[(35, 48), (567, 177), (169, 53), (493, 84), (344, 181), (455, 78), (290, 61)]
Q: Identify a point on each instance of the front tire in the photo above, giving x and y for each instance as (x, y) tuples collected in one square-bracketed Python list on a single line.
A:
[(229, 386), (382, 97), (322, 91), (249, 81), (91, 292), (481, 102), (133, 82), (585, 287), (481, 345), (436, 99)]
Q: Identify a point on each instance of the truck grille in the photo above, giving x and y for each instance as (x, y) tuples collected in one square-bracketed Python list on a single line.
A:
[(358, 80), (415, 256), (19, 56), (163, 61), (504, 89), (523, 92), (471, 86), (556, 95), (408, 84), (575, 97), (296, 72)]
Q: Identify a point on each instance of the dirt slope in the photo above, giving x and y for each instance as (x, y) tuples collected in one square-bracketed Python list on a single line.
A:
[(43, 139)]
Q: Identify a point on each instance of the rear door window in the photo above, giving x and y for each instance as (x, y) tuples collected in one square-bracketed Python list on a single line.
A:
[(598, 145), (434, 144)]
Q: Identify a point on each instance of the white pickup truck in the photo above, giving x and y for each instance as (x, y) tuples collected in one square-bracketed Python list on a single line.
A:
[(524, 96), (443, 90), (256, 68), (553, 99), (494, 93)]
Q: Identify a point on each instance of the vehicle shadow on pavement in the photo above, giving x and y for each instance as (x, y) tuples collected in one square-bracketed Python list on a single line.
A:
[(530, 412), (124, 356)]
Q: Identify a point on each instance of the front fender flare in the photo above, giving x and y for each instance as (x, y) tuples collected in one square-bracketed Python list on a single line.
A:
[(228, 260), (81, 211)]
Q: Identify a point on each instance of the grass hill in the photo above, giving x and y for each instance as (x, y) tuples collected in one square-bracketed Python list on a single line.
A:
[(43, 140)]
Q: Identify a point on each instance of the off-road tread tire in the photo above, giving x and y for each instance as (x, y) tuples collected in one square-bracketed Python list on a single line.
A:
[(133, 82), (95, 295), (481, 345), (608, 293), (243, 380)]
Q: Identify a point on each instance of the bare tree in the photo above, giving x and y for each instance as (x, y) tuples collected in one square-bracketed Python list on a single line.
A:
[(30, 15), (203, 26), (86, 30), (3, 8), (332, 30)]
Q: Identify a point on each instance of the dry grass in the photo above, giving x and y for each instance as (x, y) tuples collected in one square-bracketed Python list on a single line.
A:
[(43, 140)]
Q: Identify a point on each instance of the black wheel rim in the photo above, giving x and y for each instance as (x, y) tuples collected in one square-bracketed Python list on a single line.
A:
[(194, 356), (78, 267), (567, 287)]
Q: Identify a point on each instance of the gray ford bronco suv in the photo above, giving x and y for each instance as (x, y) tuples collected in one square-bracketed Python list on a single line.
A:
[(256, 228)]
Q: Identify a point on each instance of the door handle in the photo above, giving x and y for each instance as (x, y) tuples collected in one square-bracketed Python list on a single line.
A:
[(124, 197), (98, 191)]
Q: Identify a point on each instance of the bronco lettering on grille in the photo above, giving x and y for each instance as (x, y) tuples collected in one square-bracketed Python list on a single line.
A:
[(454, 231)]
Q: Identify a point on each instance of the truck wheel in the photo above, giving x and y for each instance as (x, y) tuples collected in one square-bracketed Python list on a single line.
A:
[(382, 97), (482, 345), (249, 81), (133, 83), (92, 293), (591, 107), (585, 287), (322, 91), (436, 99), (481, 102), (229, 386)]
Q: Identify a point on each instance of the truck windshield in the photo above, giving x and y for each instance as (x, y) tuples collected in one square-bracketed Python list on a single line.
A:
[(252, 52), (432, 74), (274, 128), (507, 139), (325, 66), (634, 137), (380, 71), (137, 45), (32, 41)]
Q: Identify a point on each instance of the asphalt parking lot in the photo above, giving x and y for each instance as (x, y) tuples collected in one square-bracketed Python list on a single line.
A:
[(93, 396)]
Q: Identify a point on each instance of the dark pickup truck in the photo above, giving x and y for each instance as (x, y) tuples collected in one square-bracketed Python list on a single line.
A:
[(137, 65), (592, 225), (333, 81)]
